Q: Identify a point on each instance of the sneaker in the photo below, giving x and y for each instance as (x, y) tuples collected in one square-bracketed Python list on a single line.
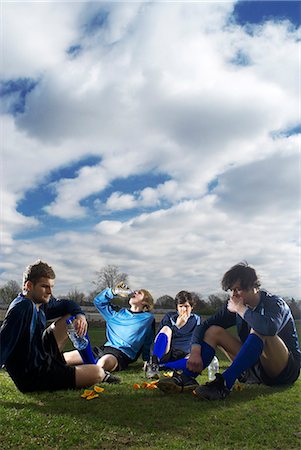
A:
[(179, 382), (111, 379), (213, 390), (152, 371)]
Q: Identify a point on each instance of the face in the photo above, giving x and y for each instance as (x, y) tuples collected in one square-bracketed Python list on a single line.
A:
[(247, 295), (41, 291), (137, 298), (184, 308)]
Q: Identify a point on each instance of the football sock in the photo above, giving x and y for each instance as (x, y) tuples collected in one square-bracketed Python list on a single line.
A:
[(207, 354), (87, 353), (247, 356), (160, 345), (180, 364)]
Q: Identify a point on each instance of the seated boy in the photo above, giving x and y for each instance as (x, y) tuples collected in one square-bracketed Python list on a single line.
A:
[(174, 336)]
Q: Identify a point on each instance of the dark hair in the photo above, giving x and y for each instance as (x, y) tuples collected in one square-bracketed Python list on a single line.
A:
[(36, 271), (183, 297), (243, 273)]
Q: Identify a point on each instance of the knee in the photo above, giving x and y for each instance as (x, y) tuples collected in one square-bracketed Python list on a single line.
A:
[(166, 330), (214, 331)]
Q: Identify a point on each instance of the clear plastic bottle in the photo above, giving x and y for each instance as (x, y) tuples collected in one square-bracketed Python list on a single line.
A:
[(122, 290), (79, 342), (213, 368)]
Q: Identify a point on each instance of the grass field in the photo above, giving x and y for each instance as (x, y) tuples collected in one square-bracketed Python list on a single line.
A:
[(257, 417)]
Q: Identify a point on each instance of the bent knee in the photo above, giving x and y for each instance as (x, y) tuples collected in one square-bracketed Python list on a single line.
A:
[(166, 330), (214, 331)]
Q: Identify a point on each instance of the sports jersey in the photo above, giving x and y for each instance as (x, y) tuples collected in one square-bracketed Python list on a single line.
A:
[(131, 332), (272, 316), (181, 337), (21, 344)]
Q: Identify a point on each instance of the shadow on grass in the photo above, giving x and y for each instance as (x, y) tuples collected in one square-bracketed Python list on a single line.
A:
[(123, 407)]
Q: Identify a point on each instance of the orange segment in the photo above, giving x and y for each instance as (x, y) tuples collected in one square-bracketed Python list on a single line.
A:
[(136, 386), (98, 389), (86, 393), (94, 395)]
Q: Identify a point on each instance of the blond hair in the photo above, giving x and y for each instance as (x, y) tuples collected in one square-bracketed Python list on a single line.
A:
[(148, 300)]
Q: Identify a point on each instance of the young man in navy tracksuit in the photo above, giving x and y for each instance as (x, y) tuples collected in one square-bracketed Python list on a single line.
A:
[(32, 353), (174, 335), (266, 348)]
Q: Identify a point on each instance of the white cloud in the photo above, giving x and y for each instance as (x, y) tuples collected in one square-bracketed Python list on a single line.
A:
[(154, 91)]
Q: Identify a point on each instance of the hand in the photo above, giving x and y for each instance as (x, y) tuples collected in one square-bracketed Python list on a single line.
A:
[(181, 320), (81, 324), (194, 362), (236, 305), (121, 290)]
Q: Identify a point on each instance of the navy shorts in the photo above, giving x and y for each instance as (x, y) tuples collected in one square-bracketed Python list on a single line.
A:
[(122, 359), (53, 374), (173, 355), (288, 376)]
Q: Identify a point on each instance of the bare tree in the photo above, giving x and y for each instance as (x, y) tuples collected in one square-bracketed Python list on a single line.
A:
[(165, 302), (9, 291), (76, 296), (109, 276)]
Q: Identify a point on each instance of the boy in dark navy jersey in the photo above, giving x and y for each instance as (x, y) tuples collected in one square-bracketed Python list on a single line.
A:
[(174, 335), (32, 353), (267, 346)]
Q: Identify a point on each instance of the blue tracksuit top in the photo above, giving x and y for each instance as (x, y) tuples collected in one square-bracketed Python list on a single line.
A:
[(272, 316), (181, 337), (127, 331), (21, 345)]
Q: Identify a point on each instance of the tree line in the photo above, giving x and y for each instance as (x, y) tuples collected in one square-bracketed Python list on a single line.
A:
[(110, 276)]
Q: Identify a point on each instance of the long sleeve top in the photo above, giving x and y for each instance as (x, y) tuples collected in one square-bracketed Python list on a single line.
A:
[(272, 316), (128, 331), (181, 337), (21, 347)]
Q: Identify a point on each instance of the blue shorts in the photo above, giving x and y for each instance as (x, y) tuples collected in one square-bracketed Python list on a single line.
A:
[(288, 376)]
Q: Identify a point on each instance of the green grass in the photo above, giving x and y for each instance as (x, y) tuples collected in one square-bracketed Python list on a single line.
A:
[(256, 418)]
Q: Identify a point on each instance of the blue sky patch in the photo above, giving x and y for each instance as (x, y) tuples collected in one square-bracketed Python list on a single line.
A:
[(241, 59), (129, 185), (18, 89), (42, 195), (212, 185), (253, 12), (97, 22), (74, 50)]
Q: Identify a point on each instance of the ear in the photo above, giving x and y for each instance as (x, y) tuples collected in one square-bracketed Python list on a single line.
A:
[(28, 286)]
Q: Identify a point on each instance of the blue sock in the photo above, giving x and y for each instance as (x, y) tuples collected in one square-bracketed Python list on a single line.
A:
[(87, 354), (180, 364), (160, 345), (207, 354), (247, 356)]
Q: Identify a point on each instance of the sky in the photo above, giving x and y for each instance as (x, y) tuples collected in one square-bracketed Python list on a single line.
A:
[(161, 137)]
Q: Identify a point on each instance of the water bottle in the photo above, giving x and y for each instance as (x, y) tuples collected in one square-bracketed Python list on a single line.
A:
[(122, 290), (79, 342), (213, 368)]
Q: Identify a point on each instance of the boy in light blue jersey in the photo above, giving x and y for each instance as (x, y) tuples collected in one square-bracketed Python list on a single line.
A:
[(130, 332)]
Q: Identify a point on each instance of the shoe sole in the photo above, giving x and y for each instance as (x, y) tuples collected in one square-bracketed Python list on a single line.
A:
[(173, 388), (154, 377)]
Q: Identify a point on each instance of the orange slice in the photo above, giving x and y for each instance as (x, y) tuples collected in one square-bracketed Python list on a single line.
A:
[(86, 393), (92, 396), (98, 389)]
